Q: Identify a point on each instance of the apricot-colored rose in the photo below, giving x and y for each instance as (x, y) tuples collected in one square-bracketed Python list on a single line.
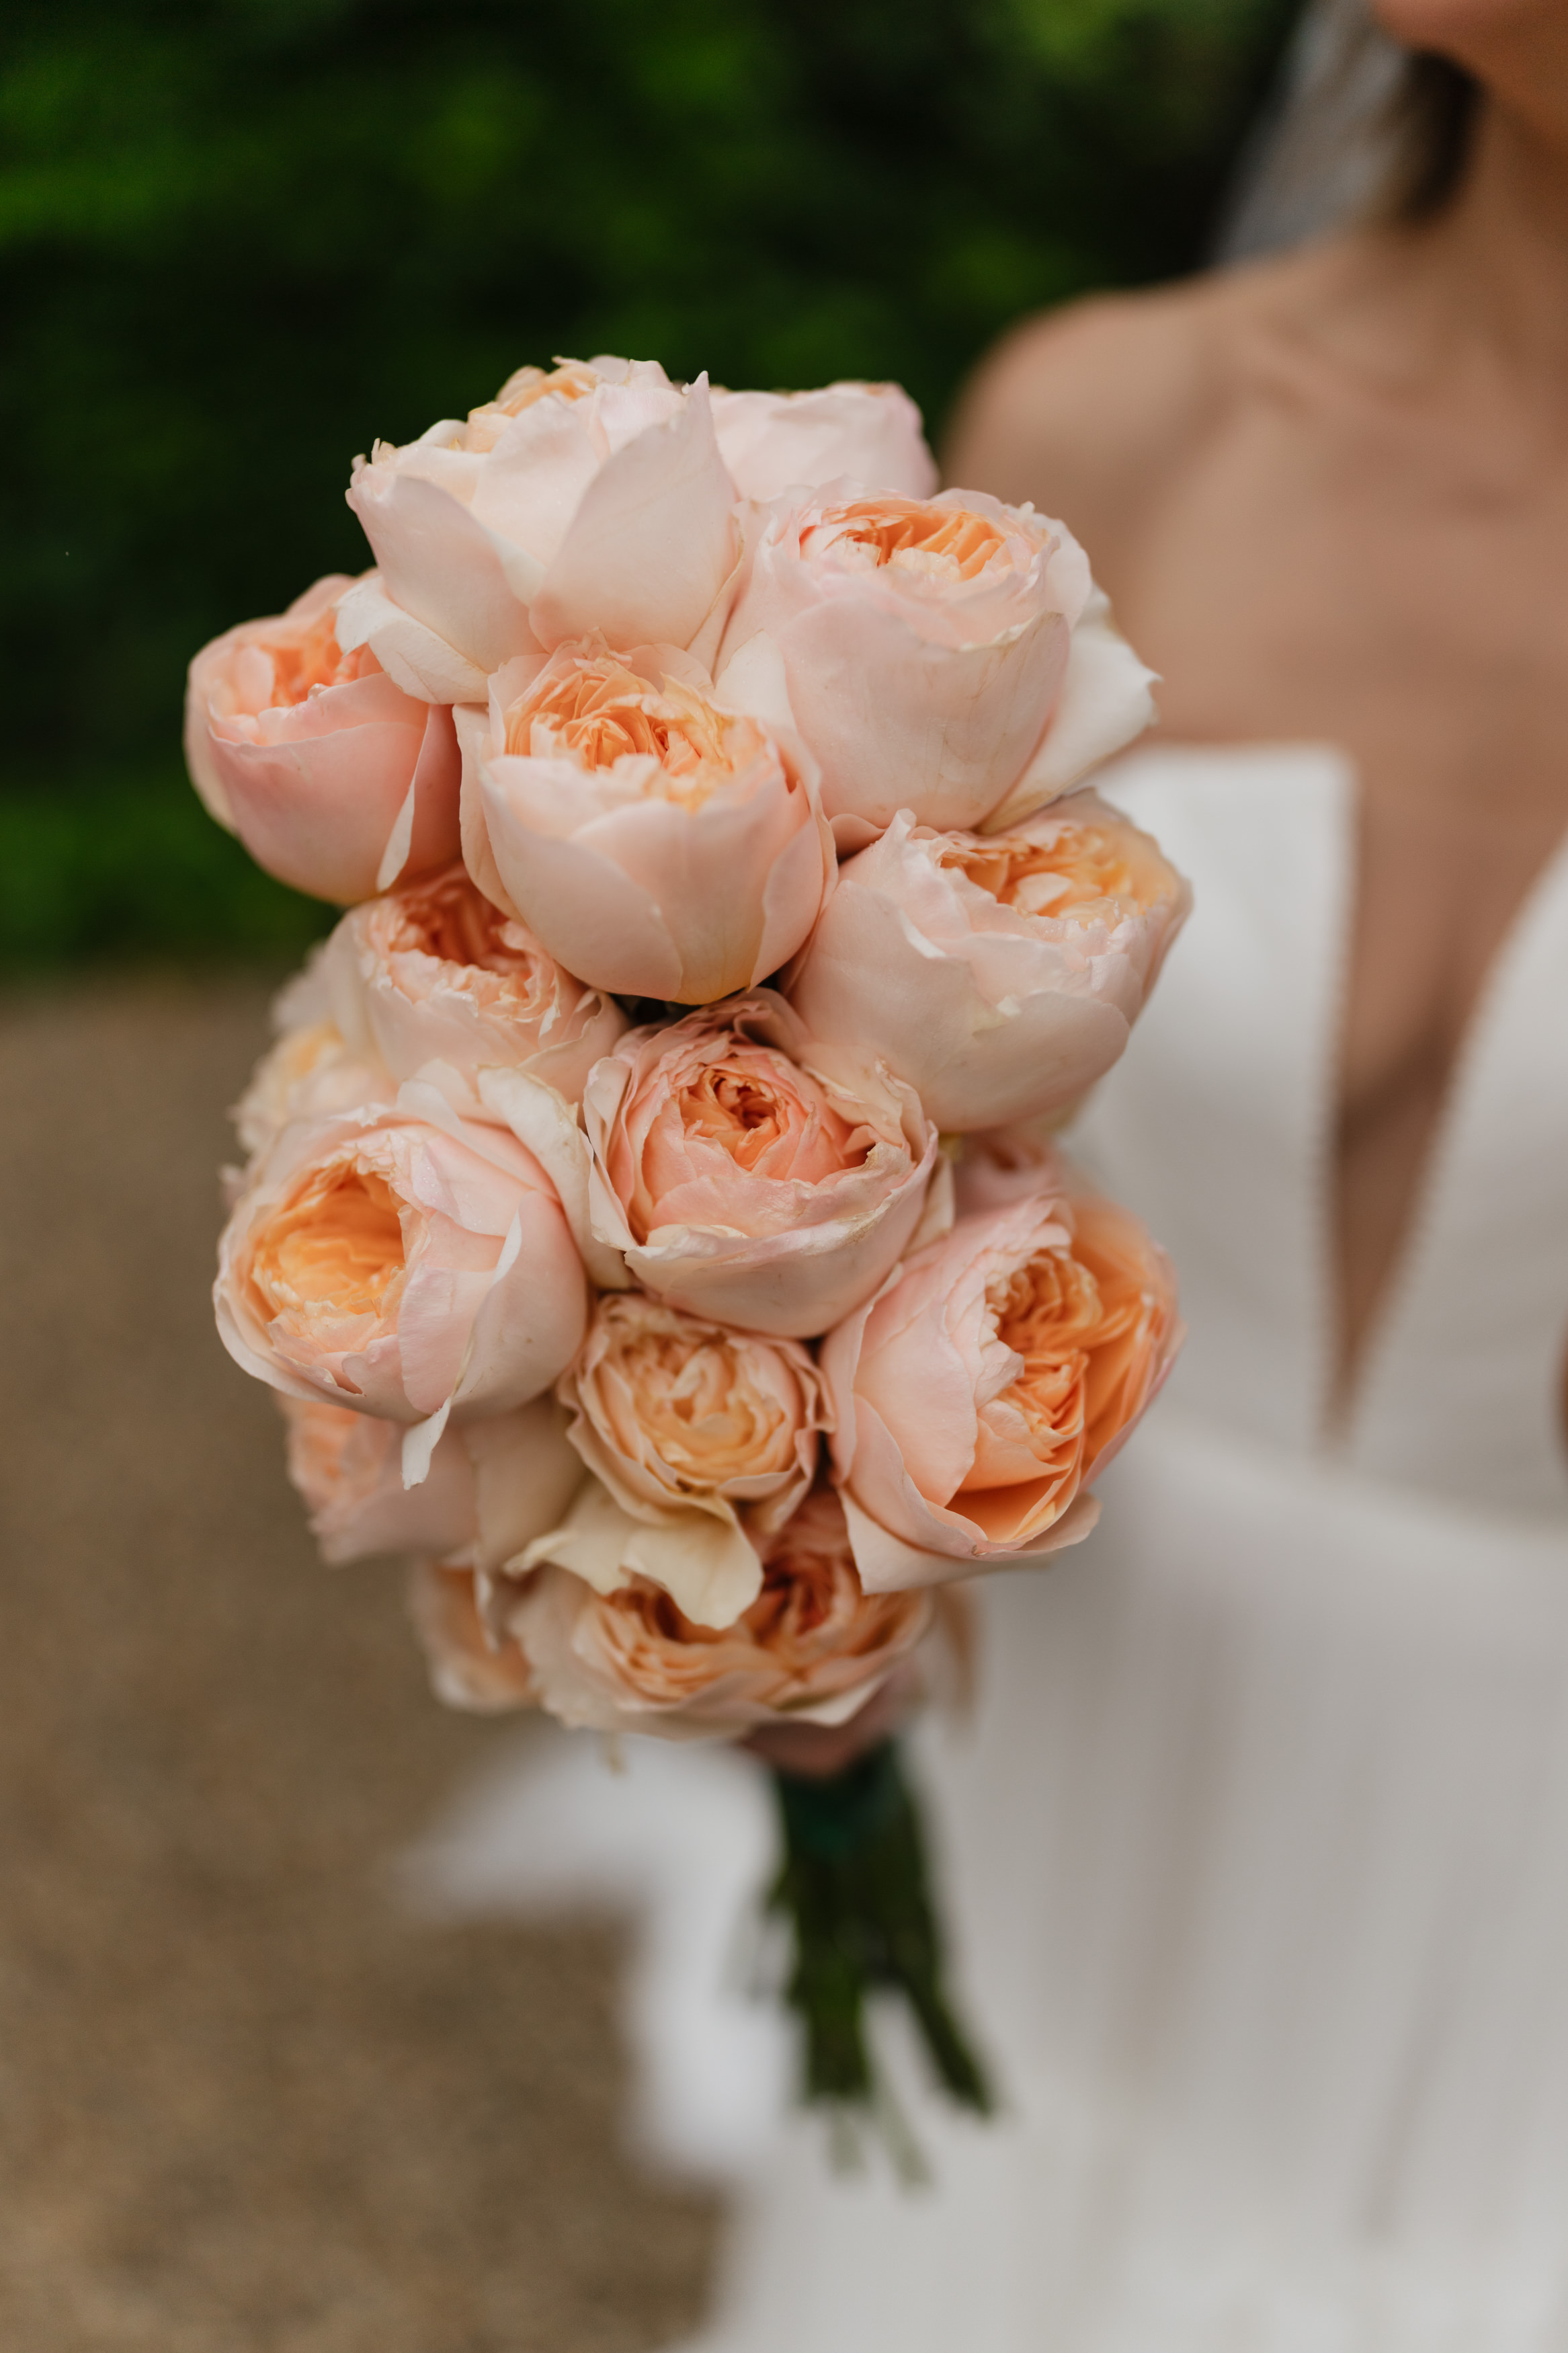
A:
[(334, 779), (492, 1486), (752, 1173), (999, 973), (989, 1381), (401, 1261), (591, 498), (775, 442), (680, 1417), (436, 973), (812, 1646), (928, 646), (659, 844)]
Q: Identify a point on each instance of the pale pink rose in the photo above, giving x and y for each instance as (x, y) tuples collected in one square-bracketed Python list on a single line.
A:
[(979, 1394), (491, 1487), (471, 1667), (812, 1646), (402, 1262), (311, 1073), (335, 780), (590, 498), (436, 973), (677, 1417), (999, 973), (751, 1174), (775, 442), (658, 843), (928, 647)]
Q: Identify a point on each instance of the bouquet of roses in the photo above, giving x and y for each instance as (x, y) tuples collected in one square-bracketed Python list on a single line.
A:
[(647, 1223)]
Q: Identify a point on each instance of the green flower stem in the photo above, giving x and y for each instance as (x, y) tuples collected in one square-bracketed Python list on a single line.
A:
[(855, 1887)]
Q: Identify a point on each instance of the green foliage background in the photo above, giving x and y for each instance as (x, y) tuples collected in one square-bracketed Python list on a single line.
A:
[(241, 238)]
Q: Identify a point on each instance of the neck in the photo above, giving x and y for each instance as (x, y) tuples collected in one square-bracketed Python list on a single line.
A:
[(1496, 259)]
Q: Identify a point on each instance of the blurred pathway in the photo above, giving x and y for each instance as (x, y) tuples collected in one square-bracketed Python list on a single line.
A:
[(245, 2105)]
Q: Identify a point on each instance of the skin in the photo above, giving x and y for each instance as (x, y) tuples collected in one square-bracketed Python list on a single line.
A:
[(1328, 494)]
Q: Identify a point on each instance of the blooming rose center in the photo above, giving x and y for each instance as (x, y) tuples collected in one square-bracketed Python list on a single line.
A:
[(809, 1580), (334, 1248), (1047, 1311), (601, 713), (520, 392), (908, 535), (569, 380), (454, 923), (1084, 872), (811, 1610), (812, 1607), (693, 1396), (750, 1106), (315, 658)]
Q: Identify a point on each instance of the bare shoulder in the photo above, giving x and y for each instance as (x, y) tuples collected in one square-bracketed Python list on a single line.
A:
[(1092, 410)]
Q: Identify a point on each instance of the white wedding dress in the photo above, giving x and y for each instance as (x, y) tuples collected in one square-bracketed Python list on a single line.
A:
[(1256, 1847)]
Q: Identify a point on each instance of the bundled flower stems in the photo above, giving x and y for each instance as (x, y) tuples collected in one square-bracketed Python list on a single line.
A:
[(648, 1223)]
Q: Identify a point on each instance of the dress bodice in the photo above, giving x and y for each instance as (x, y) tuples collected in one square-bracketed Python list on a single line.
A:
[(1217, 1127)]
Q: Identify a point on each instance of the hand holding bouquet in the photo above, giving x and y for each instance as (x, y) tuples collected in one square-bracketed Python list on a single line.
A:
[(646, 1224)]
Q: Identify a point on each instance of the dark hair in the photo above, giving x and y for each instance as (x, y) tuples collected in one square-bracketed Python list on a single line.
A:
[(1431, 118)]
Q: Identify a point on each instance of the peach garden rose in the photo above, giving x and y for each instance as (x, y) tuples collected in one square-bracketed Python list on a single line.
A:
[(590, 497), (930, 649), (704, 1437), (999, 973), (335, 780), (436, 973), (752, 1173), (980, 1392), (812, 1646), (401, 1261), (659, 842)]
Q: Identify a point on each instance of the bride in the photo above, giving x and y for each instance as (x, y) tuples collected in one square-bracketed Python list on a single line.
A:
[(1257, 1845)]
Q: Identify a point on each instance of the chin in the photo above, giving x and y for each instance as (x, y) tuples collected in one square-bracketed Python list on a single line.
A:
[(1478, 33), (1517, 49)]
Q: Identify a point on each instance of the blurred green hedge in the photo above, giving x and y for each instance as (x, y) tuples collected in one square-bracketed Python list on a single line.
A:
[(241, 238)]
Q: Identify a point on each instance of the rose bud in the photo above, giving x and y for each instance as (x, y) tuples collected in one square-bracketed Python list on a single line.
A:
[(773, 442), (471, 1667), (590, 498), (402, 1262), (812, 1647), (750, 1172), (677, 1416), (657, 842), (492, 1486), (335, 780), (926, 646), (435, 973), (999, 973), (981, 1391)]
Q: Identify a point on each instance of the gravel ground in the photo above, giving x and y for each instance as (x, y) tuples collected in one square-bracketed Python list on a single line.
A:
[(244, 2104)]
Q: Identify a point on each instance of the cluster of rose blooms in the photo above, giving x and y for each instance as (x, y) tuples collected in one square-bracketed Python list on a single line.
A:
[(648, 1222)]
